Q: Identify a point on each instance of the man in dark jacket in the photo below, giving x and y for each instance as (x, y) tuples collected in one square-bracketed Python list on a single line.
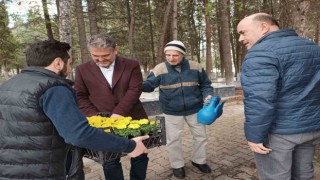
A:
[(281, 84), (111, 83), (184, 85), (39, 115)]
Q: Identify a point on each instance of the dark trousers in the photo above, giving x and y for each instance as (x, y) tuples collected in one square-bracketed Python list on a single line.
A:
[(113, 169)]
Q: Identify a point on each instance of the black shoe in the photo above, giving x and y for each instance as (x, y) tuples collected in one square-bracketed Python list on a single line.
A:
[(179, 173), (202, 167)]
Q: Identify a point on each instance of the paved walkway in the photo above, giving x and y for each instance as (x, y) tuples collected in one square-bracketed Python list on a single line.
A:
[(228, 153)]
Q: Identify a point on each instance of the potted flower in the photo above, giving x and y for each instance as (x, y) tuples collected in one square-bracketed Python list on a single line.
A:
[(129, 128)]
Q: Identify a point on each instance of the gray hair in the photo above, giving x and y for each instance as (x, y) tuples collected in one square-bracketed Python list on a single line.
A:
[(102, 41)]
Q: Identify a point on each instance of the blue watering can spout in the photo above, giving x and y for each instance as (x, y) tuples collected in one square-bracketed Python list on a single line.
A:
[(209, 113)]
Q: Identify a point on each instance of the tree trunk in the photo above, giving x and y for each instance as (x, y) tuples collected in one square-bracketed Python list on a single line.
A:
[(132, 26), (65, 25), (4, 70), (174, 20), (196, 38), (92, 8), (219, 24), (151, 36), (242, 51), (163, 31), (234, 38), (208, 39), (271, 8), (317, 32), (225, 43), (128, 12), (65, 21), (193, 39), (58, 11), (237, 46), (300, 16), (84, 53), (47, 19)]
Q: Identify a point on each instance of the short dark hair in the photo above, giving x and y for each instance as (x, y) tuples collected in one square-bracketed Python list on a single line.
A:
[(43, 53), (266, 18)]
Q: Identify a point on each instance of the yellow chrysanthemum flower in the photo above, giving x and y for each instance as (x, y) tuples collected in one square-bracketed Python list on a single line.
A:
[(134, 122), (123, 126), (122, 121), (133, 126), (143, 121), (120, 126)]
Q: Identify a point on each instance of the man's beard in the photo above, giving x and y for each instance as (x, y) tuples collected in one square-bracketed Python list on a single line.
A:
[(63, 73)]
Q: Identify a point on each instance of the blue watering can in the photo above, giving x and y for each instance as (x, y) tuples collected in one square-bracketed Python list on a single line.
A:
[(209, 113)]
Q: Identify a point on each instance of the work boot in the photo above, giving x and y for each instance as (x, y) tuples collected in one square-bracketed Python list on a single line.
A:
[(202, 167), (179, 172)]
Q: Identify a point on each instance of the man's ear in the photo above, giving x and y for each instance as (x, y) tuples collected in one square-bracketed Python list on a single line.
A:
[(57, 64), (265, 28), (116, 49)]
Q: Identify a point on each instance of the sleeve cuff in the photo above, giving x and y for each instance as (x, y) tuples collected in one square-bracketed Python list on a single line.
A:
[(131, 146)]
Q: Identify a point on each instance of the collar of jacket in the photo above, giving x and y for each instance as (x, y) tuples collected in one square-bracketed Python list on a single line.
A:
[(42, 70), (278, 33), (183, 64)]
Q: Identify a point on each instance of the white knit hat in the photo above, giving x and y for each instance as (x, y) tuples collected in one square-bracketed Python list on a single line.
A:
[(175, 45)]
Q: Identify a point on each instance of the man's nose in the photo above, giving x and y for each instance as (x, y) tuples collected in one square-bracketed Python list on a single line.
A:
[(240, 38), (100, 58), (169, 57)]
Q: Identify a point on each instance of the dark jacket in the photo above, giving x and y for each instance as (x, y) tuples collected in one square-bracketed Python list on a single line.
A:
[(181, 93), (30, 146), (96, 95), (281, 84)]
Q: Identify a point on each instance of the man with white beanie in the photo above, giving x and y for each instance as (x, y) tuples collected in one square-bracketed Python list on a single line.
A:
[(183, 86)]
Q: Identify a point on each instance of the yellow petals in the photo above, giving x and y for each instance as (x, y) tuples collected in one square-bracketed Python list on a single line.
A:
[(122, 126), (107, 130), (133, 126), (143, 121)]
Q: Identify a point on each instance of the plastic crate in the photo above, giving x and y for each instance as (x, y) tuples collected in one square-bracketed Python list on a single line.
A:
[(158, 138)]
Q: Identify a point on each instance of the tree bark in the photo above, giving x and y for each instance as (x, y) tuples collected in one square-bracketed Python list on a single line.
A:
[(208, 39), (317, 32), (84, 53), (174, 20), (163, 31), (4, 70), (92, 9), (151, 35), (47, 19), (219, 24), (65, 25), (132, 26), (225, 43), (193, 39), (238, 50), (65, 21), (58, 11), (300, 16)]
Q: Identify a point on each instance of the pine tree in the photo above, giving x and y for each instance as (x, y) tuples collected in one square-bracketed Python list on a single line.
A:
[(7, 45)]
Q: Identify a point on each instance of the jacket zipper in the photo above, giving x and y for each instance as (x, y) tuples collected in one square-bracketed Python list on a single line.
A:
[(184, 104)]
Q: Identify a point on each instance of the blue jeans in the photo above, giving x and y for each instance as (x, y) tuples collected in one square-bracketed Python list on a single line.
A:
[(113, 169), (291, 157)]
